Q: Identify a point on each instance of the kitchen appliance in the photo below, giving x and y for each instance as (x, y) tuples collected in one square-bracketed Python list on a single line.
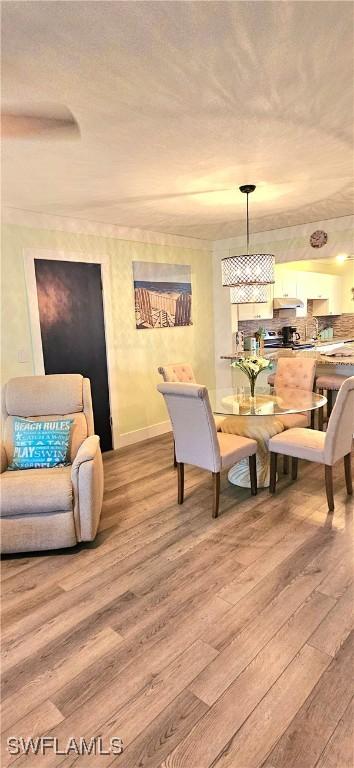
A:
[(272, 339), (286, 302), (290, 335), (275, 340)]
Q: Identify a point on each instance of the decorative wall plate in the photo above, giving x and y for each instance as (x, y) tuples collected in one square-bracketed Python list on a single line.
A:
[(318, 238)]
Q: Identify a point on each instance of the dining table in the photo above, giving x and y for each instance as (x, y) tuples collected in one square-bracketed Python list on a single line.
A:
[(258, 417)]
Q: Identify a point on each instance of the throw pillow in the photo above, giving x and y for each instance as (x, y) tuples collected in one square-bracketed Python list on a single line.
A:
[(39, 444)]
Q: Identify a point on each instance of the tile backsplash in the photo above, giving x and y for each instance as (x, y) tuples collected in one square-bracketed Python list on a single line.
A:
[(343, 325)]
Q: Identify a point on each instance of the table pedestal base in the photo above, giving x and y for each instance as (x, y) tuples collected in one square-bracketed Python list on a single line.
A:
[(260, 428)]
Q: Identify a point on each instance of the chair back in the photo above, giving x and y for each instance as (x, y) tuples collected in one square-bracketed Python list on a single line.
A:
[(64, 395), (178, 372), (339, 435), (193, 424), (295, 373)]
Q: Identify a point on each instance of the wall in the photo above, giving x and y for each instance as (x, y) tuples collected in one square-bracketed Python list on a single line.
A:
[(287, 244), (135, 355)]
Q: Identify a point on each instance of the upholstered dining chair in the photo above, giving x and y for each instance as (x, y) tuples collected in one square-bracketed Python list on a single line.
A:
[(280, 353), (322, 447), (57, 507), (295, 373), (329, 383), (183, 373), (197, 441)]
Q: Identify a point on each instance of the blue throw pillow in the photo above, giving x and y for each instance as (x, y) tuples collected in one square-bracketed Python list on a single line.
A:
[(39, 444)]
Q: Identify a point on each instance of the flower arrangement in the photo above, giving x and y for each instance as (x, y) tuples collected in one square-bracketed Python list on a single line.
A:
[(252, 366)]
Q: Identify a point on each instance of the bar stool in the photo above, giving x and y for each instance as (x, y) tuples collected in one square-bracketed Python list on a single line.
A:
[(331, 382)]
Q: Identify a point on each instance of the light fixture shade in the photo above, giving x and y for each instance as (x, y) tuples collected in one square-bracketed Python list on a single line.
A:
[(253, 269), (248, 294)]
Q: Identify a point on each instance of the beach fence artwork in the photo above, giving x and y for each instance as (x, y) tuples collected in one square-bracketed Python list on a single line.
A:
[(163, 294)]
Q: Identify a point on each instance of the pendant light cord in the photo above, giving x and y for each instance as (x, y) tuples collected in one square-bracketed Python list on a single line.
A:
[(248, 231)]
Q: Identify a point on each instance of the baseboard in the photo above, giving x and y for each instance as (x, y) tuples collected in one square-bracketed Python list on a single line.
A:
[(138, 435)]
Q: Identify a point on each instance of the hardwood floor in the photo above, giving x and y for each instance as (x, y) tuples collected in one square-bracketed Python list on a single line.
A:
[(201, 643)]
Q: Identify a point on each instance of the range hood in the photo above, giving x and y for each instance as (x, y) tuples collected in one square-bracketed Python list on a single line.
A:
[(285, 302)]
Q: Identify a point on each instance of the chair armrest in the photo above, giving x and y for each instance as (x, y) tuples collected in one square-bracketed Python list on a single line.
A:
[(86, 452), (4, 463), (87, 481)]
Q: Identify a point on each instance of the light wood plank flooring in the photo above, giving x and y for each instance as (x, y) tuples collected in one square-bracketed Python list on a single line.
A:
[(201, 643)]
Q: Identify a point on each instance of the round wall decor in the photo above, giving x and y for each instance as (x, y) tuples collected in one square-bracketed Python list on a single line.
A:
[(318, 238)]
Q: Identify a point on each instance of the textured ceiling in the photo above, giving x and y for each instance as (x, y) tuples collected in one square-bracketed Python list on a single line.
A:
[(182, 97)]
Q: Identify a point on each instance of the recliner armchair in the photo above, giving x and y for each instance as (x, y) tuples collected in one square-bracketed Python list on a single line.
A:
[(42, 509)]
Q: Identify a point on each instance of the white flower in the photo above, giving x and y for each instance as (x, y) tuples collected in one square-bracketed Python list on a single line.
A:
[(252, 366)]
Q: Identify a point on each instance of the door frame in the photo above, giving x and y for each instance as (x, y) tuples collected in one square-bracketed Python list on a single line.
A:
[(29, 256)]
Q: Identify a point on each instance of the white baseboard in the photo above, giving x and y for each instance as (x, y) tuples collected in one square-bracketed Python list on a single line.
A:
[(137, 435)]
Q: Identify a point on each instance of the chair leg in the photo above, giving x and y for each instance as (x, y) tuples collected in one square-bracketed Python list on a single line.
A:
[(294, 467), (348, 474), (329, 487), (252, 461), (285, 465), (312, 426), (174, 455), (180, 474), (273, 472), (216, 493), (329, 402), (320, 414)]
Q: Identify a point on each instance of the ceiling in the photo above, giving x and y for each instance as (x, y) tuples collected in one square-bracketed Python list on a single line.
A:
[(178, 104)]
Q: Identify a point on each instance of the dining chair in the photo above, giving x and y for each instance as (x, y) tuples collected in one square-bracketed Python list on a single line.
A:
[(322, 447), (330, 383), (183, 373), (295, 373), (280, 353), (197, 441)]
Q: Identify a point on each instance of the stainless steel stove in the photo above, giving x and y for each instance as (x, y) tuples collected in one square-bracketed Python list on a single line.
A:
[(274, 340)]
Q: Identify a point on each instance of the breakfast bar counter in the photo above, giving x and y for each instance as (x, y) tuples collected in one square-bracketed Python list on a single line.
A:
[(322, 359)]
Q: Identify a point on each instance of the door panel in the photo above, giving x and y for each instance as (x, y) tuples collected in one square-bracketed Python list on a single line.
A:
[(72, 329)]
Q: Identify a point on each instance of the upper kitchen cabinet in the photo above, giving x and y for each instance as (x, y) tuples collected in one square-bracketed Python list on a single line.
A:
[(348, 287), (285, 282), (263, 311), (289, 284), (326, 293)]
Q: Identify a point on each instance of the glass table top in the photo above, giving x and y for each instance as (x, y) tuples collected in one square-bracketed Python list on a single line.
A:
[(237, 401)]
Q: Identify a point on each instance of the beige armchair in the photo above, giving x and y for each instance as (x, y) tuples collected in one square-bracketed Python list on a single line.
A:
[(44, 509)]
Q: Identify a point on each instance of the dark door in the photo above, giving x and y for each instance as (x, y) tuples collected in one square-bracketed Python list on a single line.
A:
[(72, 328)]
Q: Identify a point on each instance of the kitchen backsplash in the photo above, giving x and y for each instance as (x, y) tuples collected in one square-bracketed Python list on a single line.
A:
[(343, 325)]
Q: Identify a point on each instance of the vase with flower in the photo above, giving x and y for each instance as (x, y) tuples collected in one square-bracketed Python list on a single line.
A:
[(251, 367)]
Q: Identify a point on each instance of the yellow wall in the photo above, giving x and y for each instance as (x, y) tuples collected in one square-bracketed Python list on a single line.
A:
[(135, 354), (324, 266)]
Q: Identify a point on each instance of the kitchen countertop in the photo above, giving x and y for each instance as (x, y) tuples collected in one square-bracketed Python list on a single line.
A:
[(323, 359), (334, 340)]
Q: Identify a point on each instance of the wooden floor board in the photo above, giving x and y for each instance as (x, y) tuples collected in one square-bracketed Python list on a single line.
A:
[(199, 642), (339, 750), (307, 735)]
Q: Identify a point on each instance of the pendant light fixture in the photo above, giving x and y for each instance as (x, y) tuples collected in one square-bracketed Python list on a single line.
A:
[(250, 268), (248, 294)]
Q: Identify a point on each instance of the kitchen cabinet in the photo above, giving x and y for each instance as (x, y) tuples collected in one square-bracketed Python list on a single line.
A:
[(290, 284), (326, 295), (285, 282), (347, 297), (263, 311)]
